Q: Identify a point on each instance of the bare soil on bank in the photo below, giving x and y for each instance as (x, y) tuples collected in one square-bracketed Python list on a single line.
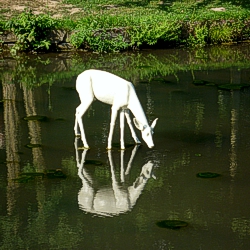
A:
[(56, 8)]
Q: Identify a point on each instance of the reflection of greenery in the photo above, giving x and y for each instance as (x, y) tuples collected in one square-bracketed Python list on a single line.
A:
[(182, 161), (241, 226), (69, 165), (199, 116), (60, 239), (134, 67), (37, 226), (50, 221)]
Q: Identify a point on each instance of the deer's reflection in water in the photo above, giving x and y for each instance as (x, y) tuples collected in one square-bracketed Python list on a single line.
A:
[(113, 200)]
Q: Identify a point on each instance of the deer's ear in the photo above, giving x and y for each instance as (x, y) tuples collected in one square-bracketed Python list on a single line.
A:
[(138, 124), (154, 123)]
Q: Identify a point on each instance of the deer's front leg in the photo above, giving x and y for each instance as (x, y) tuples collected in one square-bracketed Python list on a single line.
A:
[(77, 132), (137, 141), (122, 129), (114, 111)]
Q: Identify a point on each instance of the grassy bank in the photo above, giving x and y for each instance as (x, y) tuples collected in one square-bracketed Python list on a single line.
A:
[(117, 25)]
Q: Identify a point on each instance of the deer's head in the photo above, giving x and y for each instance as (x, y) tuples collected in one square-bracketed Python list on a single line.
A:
[(147, 131)]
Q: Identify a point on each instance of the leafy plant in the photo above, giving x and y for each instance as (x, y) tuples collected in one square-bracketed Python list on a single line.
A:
[(31, 31), (152, 29), (220, 34), (99, 34), (99, 40), (198, 35)]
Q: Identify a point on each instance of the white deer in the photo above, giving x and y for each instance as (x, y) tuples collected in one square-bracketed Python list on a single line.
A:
[(120, 94)]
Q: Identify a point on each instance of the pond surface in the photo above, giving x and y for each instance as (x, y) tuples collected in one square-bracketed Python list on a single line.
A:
[(51, 199)]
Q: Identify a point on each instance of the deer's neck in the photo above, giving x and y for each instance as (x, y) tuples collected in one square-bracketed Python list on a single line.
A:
[(135, 106)]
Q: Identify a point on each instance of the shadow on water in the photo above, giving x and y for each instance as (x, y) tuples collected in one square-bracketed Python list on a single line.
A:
[(111, 200)]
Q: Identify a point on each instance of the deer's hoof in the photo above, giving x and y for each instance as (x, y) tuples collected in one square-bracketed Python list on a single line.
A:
[(83, 148)]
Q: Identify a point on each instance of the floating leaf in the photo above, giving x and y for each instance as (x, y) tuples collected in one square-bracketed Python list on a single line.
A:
[(58, 173), (33, 174), (51, 174), (35, 118), (172, 224), (202, 83), (207, 175), (23, 179), (30, 145), (233, 86), (199, 82)]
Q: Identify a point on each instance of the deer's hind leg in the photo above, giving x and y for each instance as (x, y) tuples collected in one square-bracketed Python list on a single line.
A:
[(114, 111)]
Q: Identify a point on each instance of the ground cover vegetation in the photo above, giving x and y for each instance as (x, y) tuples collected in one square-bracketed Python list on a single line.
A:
[(117, 25)]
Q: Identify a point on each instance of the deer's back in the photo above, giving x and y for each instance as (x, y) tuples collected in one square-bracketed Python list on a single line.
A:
[(106, 87)]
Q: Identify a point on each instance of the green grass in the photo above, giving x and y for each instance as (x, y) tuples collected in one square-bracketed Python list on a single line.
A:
[(147, 22), (132, 24)]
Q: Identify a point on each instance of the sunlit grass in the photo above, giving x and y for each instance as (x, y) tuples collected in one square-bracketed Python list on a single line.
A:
[(190, 22)]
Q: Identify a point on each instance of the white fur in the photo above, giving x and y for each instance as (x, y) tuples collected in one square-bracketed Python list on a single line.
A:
[(120, 94)]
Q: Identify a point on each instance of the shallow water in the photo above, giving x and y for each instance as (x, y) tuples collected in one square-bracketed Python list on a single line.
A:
[(115, 200)]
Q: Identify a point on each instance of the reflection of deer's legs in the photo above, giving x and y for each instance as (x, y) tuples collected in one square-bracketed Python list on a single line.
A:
[(137, 141), (122, 166), (131, 159), (114, 182), (80, 110), (80, 164), (83, 174), (121, 197), (86, 193)]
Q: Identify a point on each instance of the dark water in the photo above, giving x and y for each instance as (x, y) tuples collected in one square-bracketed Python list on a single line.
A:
[(115, 200)]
